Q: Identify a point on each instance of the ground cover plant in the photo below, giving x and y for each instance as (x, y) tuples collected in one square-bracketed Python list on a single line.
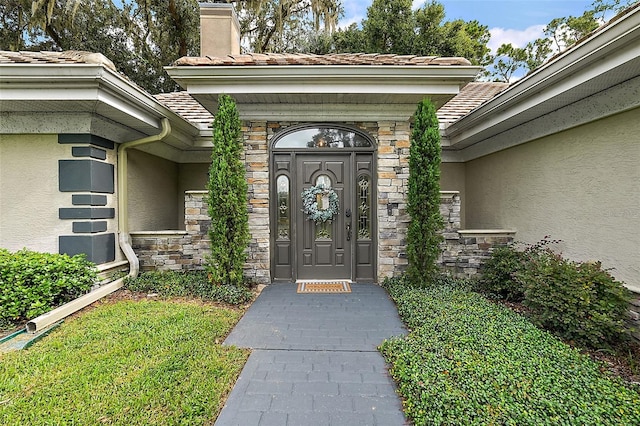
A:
[(184, 284), (125, 363), (469, 361), (33, 283)]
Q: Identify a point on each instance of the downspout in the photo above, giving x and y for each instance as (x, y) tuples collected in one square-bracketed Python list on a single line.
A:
[(45, 320), (123, 200)]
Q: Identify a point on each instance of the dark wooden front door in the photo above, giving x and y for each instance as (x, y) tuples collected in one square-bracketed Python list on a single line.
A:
[(339, 157), (324, 250)]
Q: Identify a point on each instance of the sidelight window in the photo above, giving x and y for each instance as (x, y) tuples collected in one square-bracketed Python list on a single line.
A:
[(284, 210)]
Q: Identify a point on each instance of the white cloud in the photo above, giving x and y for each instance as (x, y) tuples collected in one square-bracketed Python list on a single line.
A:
[(351, 20), (417, 4), (518, 38)]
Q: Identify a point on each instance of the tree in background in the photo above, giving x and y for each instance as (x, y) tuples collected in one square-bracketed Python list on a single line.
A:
[(141, 37), (560, 34), (285, 25), (391, 26), (227, 198), (424, 233)]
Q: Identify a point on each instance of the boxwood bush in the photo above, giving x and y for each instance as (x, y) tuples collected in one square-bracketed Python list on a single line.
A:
[(33, 283), (188, 284), (469, 361)]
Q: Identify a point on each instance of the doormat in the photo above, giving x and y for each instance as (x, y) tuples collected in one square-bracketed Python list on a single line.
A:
[(324, 287)]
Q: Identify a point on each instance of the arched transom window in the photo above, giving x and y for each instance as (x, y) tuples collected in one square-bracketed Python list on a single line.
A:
[(322, 137)]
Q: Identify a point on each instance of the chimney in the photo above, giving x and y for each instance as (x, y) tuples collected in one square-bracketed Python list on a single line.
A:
[(219, 30)]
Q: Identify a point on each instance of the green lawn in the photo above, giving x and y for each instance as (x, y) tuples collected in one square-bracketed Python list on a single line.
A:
[(468, 361), (146, 362)]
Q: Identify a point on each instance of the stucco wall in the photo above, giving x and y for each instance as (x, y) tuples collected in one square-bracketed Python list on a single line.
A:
[(581, 186), (153, 193), (29, 198), (452, 178), (191, 177)]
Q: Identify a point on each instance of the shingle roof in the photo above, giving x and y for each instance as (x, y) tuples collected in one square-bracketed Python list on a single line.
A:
[(67, 57), (184, 105), (470, 97), (274, 59)]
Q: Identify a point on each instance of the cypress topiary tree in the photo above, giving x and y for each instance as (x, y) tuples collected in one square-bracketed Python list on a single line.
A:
[(424, 233), (227, 198)]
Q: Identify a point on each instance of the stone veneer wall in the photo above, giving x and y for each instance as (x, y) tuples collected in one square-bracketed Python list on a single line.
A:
[(634, 316), (393, 175), (463, 251), (256, 156), (177, 250), (463, 254)]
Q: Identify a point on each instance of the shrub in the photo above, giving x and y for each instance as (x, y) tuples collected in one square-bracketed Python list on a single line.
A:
[(577, 301), (580, 302), (33, 283), (470, 361), (423, 198), (188, 284), (498, 273), (227, 198)]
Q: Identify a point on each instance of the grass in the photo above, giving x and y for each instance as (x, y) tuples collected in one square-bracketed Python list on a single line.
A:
[(123, 363), (468, 361)]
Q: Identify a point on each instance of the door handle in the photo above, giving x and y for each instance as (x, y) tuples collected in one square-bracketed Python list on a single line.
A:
[(348, 232)]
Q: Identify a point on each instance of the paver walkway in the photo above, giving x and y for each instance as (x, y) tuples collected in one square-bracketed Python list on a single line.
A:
[(315, 360)]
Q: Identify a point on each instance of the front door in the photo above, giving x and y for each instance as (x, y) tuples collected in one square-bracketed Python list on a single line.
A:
[(335, 157), (324, 248)]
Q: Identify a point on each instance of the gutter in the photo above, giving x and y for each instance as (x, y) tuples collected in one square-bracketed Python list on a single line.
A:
[(51, 317), (123, 203)]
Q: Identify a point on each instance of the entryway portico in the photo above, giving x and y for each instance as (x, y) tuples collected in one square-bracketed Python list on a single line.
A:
[(341, 121)]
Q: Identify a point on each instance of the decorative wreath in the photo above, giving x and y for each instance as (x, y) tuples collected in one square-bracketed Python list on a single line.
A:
[(310, 206)]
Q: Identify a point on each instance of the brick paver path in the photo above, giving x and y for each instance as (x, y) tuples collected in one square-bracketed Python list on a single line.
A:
[(315, 360)]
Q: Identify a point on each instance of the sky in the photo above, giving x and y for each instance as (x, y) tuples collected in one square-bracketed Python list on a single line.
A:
[(509, 21)]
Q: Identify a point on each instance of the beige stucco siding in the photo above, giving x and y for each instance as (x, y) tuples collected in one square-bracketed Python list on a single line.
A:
[(153, 192), (581, 186), (29, 199), (452, 178)]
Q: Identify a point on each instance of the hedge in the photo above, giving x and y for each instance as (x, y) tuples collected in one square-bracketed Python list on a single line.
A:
[(33, 283)]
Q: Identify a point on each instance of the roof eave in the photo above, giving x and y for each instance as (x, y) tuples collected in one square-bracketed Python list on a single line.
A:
[(616, 45), (113, 96), (300, 92), (194, 78)]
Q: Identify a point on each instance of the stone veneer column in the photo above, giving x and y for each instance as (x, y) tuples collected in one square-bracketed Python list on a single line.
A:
[(393, 176), (256, 157)]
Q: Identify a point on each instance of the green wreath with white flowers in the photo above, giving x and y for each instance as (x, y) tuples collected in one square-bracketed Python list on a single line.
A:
[(310, 203)]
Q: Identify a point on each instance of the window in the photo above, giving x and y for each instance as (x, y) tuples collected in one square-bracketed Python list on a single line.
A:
[(283, 207), (323, 137)]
